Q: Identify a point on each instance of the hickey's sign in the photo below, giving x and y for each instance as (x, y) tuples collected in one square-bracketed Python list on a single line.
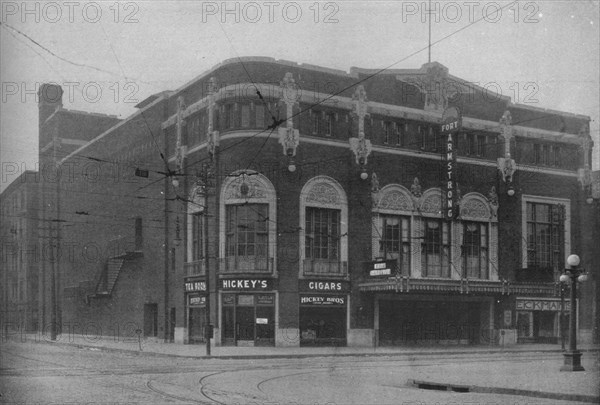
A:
[(451, 123), (246, 284)]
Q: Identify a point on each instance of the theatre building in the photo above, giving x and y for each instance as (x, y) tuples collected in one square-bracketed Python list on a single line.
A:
[(308, 206)]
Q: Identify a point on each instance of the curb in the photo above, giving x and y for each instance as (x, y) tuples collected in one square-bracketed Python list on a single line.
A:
[(297, 355), (504, 391)]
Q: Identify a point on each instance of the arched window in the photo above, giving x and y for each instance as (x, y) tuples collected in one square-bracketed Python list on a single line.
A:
[(324, 228), (478, 238), (247, 225), (436, 239), (392, 226)]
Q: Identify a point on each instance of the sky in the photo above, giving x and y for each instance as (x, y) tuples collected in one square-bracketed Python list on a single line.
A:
[(109, 55)]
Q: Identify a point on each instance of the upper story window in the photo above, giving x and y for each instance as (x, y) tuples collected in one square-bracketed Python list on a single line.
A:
[(316, 120), (394, 240), (324, 226), (245, 116), (197, 248), (545, 237), (556, 155), (422, 132), (435, 248), (322, 234), (196, 254), (475, 249), (387, 131), (480, 147), (246, 237), (247, 229), (400, 133), (260, 115), (230, 115), (329, 123)]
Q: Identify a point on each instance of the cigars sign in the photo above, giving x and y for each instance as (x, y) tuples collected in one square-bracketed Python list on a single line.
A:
[(451, 124)]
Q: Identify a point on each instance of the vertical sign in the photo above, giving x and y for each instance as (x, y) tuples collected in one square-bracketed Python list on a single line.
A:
[(451, 123)]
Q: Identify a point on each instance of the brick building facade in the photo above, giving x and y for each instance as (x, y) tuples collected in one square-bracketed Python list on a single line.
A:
[(318, 202)]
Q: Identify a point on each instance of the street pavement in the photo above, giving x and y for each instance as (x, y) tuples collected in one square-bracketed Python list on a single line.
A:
[(316, 375)]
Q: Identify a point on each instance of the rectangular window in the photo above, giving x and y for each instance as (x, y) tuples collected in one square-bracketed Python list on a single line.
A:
[(471, 148), (329, 120), (245, 116), (545, 154), (545, 239), (387, 130), (394, 242), (422, 136), (401, 130), (228, 115), (197, 230), (556, 155), (435, 249), (475, 250), (316, 116), (246, 239), (537, 154), (260, 116), (432, 138), (480, 145), (322, 234)]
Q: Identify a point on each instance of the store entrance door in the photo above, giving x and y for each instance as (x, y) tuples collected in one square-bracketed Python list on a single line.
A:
[(245, 325)]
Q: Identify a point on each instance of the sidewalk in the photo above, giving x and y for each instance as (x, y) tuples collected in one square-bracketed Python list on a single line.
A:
[(156, 347)]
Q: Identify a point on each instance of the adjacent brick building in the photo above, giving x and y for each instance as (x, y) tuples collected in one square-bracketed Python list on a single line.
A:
[(327, 207)]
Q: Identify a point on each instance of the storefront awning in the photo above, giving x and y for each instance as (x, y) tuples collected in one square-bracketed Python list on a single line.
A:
[(464, 286)]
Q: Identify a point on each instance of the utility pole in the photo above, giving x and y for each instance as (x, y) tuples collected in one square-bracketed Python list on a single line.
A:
[(206, 180)]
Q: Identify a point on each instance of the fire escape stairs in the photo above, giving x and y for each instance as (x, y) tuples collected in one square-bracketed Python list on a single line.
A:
[(110, 276), (111, 271)]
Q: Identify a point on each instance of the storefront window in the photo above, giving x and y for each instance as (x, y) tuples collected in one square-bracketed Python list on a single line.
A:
[(248, 319)]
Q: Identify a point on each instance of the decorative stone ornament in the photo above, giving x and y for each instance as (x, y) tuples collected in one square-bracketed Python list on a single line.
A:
[(506, 165), (360, 145), (434, 87), (416, 192), (213, 136), (585, 173), (493, 200), (289, 137), (180, 149)]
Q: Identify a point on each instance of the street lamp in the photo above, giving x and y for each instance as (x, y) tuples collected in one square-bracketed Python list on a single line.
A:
[(572, 357)]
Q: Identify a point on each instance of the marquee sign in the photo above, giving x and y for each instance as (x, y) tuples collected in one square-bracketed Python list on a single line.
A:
[(451, 124)]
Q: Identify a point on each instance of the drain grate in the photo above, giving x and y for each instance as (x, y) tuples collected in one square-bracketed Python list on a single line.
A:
[(425, 385)]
